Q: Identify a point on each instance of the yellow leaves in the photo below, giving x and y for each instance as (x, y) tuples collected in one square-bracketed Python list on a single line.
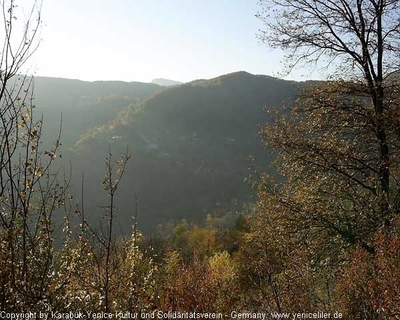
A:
[(222, 267), (31, 207), (28, 183), (51, 155), (38, 172)]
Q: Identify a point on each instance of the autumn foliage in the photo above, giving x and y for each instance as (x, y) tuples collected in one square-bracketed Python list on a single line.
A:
[(324, 233)]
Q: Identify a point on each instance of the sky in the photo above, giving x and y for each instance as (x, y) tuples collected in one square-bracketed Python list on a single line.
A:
[(139, 40)]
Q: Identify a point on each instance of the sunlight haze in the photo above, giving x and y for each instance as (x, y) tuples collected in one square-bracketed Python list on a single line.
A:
[(139, 40)]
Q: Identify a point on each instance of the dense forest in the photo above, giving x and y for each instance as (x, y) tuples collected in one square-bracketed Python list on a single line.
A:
[(239, 197), (191, 144)]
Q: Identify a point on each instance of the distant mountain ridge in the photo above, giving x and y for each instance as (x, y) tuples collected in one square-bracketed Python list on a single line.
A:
[(165, 82)]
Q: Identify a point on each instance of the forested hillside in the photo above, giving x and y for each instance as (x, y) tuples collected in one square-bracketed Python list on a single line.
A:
[(190, 144), (77, 105)]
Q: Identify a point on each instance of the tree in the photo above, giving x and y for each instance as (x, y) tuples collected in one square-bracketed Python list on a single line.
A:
[(89, 272), (362, 37), (338, 150), (211, 284), (30, 190)]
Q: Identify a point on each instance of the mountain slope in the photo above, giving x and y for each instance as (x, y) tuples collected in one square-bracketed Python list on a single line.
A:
[(83, 104), (190, 146)]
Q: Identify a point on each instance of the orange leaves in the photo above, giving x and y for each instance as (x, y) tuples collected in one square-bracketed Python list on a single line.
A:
[(204, 285), (330, 156), (384, 286), (368, 287)]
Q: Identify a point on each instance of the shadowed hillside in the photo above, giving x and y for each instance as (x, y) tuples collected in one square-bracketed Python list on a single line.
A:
[(190, 146), (83, 104)]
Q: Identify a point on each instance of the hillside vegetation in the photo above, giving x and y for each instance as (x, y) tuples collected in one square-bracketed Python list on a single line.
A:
[(190, 145), (80, 105)]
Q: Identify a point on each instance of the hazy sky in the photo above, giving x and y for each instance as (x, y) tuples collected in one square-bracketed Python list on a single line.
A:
[(138, 40)]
